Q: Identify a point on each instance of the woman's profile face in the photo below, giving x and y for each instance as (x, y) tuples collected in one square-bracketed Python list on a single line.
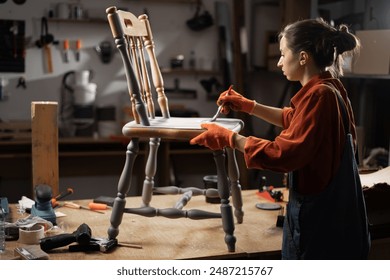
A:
[(289, 62)]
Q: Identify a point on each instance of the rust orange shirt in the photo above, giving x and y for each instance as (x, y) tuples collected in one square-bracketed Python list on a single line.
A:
[(312, 139)]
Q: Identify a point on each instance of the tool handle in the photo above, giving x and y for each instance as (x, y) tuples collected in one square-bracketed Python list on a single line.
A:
[(78, 44), (77, 206), (66, 44), (52, 242), (54, 202), (64, 194), (97, 206)]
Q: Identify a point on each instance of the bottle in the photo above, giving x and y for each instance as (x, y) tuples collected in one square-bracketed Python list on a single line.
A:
[(2, 230)]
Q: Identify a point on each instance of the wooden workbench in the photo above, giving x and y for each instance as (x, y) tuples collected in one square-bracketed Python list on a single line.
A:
[(162, 238)]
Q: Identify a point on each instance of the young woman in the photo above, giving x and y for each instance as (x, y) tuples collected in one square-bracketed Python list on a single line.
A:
[(326, 216)]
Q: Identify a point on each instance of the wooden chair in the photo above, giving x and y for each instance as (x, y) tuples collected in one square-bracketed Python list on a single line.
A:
[(133, 38)]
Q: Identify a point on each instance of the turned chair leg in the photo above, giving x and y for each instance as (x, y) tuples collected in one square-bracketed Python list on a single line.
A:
[(124, 185), (224, 193), (150, 171), (235, 187)]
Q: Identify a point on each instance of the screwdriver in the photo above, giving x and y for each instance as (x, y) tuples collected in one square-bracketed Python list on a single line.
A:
[(78, 47), (78, 206), (66, 48)]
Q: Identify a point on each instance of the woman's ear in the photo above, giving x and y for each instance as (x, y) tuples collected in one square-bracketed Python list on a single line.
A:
[(303, 58)]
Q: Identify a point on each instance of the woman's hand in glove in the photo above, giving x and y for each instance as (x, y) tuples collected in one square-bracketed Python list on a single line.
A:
[(235, 101), (215, 137)]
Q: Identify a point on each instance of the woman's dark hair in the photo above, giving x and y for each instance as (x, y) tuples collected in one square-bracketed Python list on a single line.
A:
[(327, 44)]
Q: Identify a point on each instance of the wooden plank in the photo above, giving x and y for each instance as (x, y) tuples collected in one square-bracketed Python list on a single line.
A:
[(44, 127)]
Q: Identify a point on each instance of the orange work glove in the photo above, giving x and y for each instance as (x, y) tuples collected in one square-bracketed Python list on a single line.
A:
[(215, 137), (235, 101)]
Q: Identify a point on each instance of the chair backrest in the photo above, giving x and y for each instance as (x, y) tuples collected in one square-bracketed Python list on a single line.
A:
[(133, 37)]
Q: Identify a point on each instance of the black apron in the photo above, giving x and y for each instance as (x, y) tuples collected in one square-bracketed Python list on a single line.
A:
[(332, 224)]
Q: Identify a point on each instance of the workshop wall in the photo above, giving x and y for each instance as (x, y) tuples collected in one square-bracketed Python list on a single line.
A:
[(172, 38)]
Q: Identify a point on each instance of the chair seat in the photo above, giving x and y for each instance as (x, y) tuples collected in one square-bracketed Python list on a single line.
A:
[(176, 127)]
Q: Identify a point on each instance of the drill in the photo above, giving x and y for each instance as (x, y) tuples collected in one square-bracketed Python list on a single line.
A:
[(82, 235)]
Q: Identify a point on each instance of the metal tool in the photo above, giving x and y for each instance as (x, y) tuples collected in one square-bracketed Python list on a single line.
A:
[(66, 50), (78, 48), (214, 118)]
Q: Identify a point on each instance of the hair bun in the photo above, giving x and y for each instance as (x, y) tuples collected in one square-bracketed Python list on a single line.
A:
[(343, 28)]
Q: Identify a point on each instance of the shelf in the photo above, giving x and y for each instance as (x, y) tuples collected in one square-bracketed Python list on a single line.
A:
[(88, 20), (324, 2), (169, 1)]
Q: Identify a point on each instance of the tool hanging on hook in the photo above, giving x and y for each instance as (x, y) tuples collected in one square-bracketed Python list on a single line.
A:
[(44, 42), (200, 21), (78, 48), (66, 50)]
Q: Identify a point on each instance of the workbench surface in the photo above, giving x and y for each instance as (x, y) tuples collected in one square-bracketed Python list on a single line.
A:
[(162, 238)]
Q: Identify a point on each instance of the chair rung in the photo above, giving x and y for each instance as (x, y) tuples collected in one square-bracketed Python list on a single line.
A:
[(173, 213), (195, 191)]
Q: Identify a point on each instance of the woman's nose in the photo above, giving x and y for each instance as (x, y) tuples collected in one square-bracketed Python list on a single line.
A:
[(279, 64)]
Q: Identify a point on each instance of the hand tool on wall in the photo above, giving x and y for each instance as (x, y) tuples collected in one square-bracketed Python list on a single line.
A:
[(66, 50), (82, 235), (44, 42), (49, 61), (78, 48), (21, 83)]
